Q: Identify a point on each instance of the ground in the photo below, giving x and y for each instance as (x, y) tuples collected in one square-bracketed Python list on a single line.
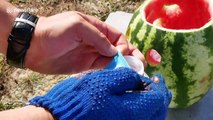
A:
[(16, 85)]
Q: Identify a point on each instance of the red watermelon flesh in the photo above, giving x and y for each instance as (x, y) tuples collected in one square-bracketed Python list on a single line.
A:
[(178, 14)]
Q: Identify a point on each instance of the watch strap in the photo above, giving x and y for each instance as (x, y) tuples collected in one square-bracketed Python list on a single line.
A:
[(20, 38)]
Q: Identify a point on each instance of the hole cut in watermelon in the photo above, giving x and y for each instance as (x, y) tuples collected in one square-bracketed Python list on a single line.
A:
[(178, 14)]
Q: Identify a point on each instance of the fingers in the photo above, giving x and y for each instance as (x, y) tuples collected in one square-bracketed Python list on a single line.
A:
[(135, 52), (92, 36), (101, 62), (116, 81), (147, 103), (122, 80), (162, 88), (115, 37)]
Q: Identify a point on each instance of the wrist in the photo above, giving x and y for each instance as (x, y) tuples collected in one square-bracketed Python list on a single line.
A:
[(37, 113), (32, 55), (26, 113), (45, 114), (6, 23)]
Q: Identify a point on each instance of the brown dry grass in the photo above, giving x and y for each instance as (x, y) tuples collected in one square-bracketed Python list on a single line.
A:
[(16, 85)]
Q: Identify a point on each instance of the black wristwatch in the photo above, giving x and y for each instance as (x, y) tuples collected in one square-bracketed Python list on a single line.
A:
[(20, 38)]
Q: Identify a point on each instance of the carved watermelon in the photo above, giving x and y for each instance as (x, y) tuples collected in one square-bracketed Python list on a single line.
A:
[(182, 32)]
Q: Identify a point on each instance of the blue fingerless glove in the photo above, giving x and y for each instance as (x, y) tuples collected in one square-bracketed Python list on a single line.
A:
[(119, 94)]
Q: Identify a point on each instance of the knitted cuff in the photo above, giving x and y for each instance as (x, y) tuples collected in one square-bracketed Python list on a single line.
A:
[(60, 102)]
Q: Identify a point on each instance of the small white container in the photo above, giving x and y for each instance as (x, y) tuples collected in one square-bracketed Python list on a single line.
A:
[(136, 64)]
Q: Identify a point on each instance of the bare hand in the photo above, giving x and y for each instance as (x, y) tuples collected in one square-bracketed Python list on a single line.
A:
[(72, 42)]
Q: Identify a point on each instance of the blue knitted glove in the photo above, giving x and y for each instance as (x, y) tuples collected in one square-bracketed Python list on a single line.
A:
[(119, 94)]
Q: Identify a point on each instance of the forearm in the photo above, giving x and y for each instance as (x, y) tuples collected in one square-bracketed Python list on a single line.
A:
[(26, 113), (6, 23)]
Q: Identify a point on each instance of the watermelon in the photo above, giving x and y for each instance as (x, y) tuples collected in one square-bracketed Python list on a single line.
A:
[(182, 33)]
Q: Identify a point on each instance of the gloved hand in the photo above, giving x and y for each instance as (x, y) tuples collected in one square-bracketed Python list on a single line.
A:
[(119, 94)]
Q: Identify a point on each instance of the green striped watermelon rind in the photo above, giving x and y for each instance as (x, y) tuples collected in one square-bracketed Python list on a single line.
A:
[(192, 48)]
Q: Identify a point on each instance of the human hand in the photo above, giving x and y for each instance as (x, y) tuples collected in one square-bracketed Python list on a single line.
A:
[(72, 42), (119, 94)]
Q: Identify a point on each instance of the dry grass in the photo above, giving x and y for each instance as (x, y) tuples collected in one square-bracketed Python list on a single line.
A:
[(98, 8), (16, 85)]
